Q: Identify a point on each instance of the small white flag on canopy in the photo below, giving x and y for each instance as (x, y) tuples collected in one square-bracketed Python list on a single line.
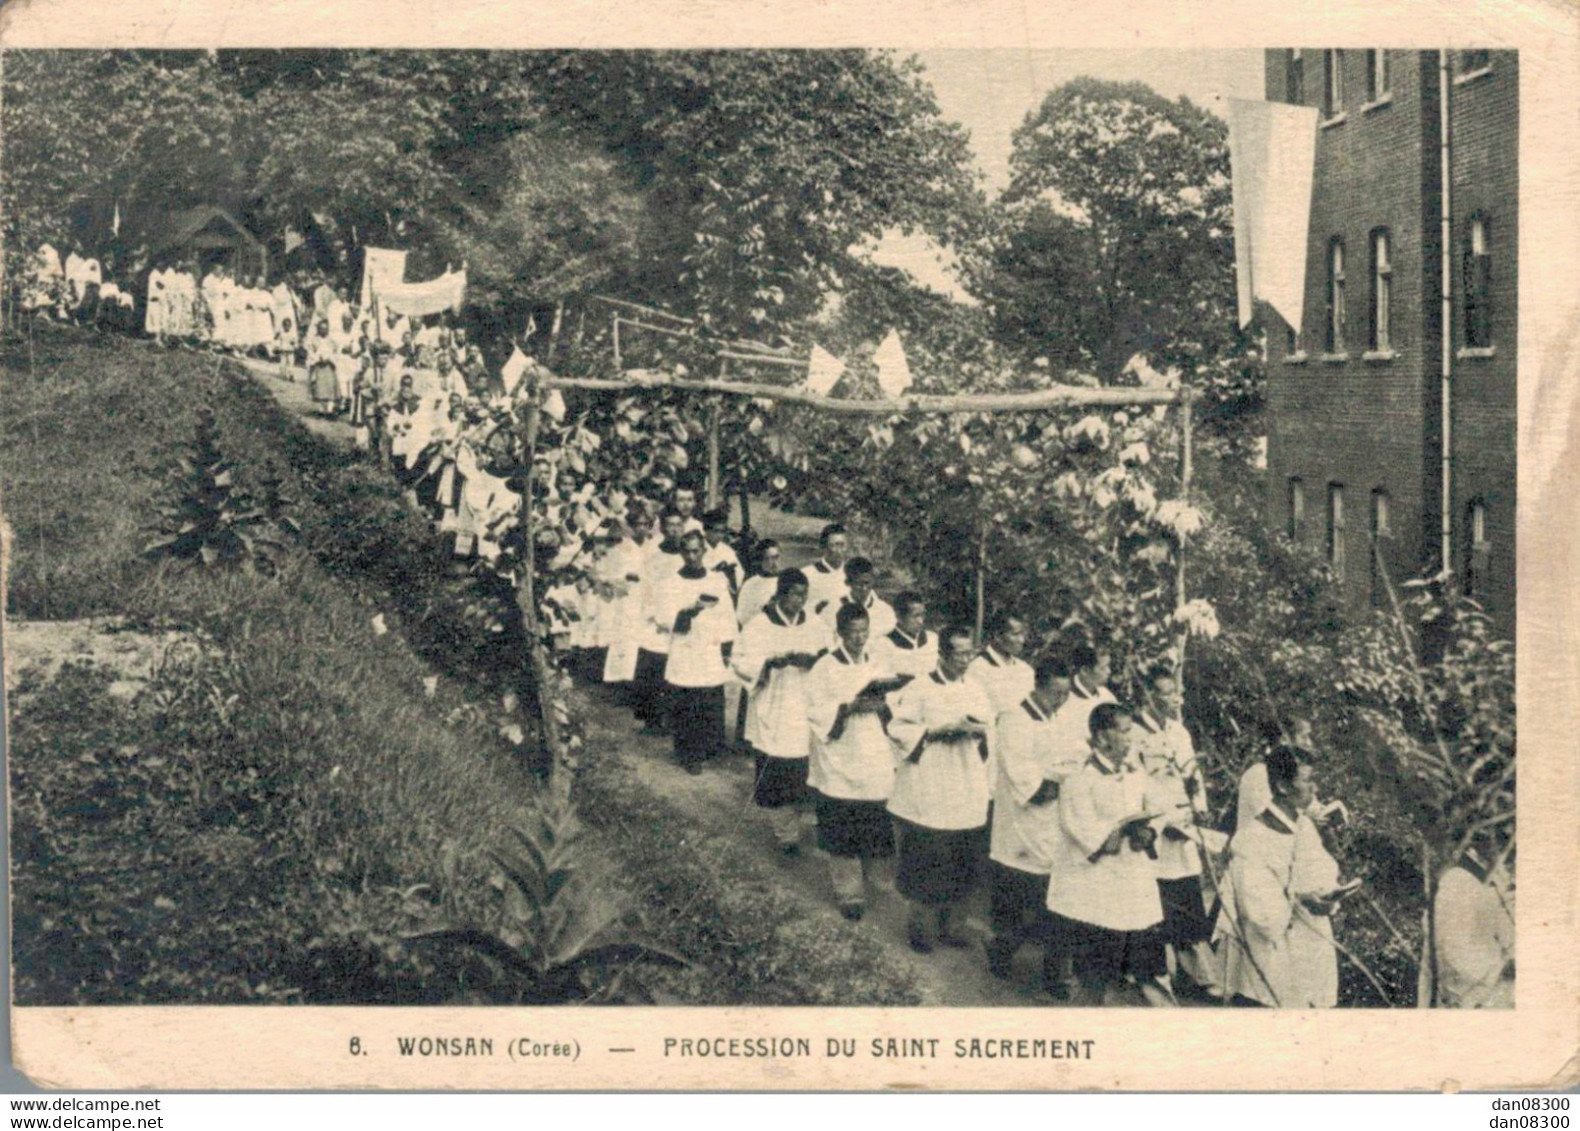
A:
[(823, 372), (554, 406), (1272, 154), (894, 372), (513, 370)]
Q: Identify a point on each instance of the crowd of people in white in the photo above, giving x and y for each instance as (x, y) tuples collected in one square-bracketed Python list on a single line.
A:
[(1085, 817)]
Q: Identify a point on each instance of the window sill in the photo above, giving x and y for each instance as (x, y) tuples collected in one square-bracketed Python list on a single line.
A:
[(1295, 358), (1377, 103), (1471, 352), (1336, 120), (1472, 76), (1379, 355), (1335, 358)]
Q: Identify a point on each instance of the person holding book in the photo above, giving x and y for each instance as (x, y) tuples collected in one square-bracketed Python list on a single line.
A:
[(1025, 818), (852, 760), (649, 693), (1104, 896), (772, 658), (692, 608), (941, 790), (1168, 754), (1259, 897)]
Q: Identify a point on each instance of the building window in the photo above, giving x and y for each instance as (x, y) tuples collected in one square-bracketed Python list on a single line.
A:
[(1478, 551), (1297, 509), (1382, 529), (1376, 75), (1333, 341), (1332, 83), (1336, 529), (1472, 61), (1478, 284), (1295, 75), (1381, 292)]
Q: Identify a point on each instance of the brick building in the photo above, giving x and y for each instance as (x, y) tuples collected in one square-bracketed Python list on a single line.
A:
[(1355, 394)]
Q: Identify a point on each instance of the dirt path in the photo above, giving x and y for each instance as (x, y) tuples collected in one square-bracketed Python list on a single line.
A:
[(720, 797)]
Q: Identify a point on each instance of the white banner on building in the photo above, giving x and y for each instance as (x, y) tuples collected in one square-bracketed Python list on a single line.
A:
[(1272, 153)]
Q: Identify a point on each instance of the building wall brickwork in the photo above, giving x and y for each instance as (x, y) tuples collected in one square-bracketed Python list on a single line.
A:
[(1367, 421)]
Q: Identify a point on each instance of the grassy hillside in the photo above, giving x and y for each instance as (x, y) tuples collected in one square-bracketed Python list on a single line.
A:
[(282, 801)]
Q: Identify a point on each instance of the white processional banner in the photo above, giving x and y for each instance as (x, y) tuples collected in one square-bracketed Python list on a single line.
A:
[(1272, 155), (417, 300), (383, 270)]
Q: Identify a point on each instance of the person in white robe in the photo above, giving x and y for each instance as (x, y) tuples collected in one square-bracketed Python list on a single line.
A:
[(1257, 908), (852, 762), (720, 556), (623, 570), (182, 315), (1025, 819), (941, 790), (211, 321), (859, 576), (287, 323), (758, 589), (771, 659), (1103, 891), (45, 283), (908, 651), (999, 668), (1252, 792), (1316, 890), (1090, 667), (81, 273), (826, 576), (692, 607), (1166, 751), (323, 353), (684, 500), (156, 309), (650, 695), (1473, 927)]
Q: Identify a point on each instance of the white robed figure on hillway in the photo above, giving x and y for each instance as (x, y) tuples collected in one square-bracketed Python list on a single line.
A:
[(1257, 908), (623, 568), (776, 650)]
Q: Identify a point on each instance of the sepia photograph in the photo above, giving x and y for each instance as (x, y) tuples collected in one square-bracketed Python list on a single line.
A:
[(1012, 529)]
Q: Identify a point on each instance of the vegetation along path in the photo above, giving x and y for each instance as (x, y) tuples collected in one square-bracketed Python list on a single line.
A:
[(717, 804)]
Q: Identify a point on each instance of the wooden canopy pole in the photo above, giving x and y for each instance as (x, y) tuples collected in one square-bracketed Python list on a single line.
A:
[(1038, 400), (1179, 546)]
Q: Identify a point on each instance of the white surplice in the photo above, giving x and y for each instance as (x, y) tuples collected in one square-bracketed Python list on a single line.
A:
[(857, 764), (1032, 745), (1118, 891), (696, 657), (1252, 931), (776, 712), (899, 654), (947, 788)]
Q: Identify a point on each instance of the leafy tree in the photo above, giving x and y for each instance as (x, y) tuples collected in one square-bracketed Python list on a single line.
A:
[(564, 221), (1116, 236), (767, 166)]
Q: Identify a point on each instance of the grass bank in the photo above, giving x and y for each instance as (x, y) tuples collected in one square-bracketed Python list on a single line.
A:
[(284, 801)]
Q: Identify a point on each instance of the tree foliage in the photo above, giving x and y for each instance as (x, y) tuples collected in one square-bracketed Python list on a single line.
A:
[(1124, 196)]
